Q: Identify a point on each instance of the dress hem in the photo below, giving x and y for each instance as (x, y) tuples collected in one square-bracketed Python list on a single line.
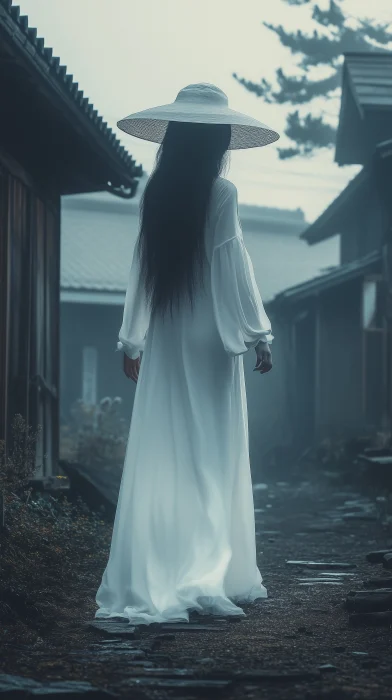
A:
[(222, 606)]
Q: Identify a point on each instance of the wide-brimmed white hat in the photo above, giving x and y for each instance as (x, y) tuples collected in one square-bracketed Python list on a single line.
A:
[(201, 103)]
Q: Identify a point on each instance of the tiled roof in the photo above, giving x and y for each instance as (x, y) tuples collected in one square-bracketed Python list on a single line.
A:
[(366, 106), (370, 75), (14, 21), (339, 275), (97, 240), (99, 232)]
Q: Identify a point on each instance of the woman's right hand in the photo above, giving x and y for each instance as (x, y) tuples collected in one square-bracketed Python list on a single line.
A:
[(131, 368), (263, 358)]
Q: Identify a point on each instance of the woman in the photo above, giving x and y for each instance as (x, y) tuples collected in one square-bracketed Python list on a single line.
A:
[(184, 532)]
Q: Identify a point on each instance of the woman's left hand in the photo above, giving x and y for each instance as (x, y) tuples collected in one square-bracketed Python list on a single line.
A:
[(131, 367)]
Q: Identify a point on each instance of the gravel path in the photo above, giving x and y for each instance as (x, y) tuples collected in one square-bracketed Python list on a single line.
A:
[(298, 644)]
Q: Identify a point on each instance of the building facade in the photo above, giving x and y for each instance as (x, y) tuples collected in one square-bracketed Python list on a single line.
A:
[(52, 143), (337, 327)]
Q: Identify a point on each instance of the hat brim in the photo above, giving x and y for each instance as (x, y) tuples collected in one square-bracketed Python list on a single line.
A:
[(151, 124)]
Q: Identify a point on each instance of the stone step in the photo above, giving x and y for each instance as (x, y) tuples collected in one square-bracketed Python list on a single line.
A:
[(372, 619)]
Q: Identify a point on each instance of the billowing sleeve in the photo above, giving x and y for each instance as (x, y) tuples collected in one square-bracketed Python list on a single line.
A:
[(136, 316), (239, 311)]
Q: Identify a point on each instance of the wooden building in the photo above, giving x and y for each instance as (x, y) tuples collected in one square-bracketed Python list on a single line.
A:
[(336, 329), (52, 142)]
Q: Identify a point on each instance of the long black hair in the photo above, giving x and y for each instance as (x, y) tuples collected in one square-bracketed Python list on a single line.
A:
[(174, 209)]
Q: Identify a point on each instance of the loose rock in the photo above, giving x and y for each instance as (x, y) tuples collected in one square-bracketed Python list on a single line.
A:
[(387, 561), (378, 556), (371, 601)]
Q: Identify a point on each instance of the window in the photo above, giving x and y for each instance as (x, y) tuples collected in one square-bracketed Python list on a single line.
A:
[(372, 316), (89, 375)]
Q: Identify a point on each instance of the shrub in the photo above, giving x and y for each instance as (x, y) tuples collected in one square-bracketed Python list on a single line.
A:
[(96, 434), (53, 554), (18, 465)]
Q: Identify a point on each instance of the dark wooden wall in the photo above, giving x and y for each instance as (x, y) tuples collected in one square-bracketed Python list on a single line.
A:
[(29, 312), (339, 370), (364, 230)]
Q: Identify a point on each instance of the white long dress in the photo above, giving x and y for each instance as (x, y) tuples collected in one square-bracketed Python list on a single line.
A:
[(184, 531)]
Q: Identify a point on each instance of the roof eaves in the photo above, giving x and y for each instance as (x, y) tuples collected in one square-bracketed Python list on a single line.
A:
[(93, 287), (324, 226), (340, 275), (351, 85), (36, 45), (381, 53)]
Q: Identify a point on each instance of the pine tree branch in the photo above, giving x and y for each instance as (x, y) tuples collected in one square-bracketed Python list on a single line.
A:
[(262, 89), (332, 17), (317, 49), (380, 32), (286, 153), (357, 40), (301, 90), (292, 90), (339, 33), (308, 133)]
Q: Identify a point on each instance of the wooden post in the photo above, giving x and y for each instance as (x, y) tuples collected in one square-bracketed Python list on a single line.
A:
[(383, 178)]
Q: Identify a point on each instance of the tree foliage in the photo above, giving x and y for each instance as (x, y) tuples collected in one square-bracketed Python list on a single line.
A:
[(318, 70)]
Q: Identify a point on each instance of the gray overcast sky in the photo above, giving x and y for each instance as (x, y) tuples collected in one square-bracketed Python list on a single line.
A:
[(133, 54)]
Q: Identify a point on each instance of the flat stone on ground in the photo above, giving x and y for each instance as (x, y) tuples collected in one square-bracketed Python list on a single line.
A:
[(323, 582), (321, 564), (276, 675), (207, 686), (378, 556), (109, 628), (359, 516), (19, 687), (373, 619), (378, 582), (193, 627), (369, 601)]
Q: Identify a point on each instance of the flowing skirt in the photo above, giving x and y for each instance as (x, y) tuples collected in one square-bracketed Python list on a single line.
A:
[(184, 532)]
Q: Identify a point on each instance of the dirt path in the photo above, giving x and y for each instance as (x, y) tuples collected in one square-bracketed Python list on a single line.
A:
[(297, 644)]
